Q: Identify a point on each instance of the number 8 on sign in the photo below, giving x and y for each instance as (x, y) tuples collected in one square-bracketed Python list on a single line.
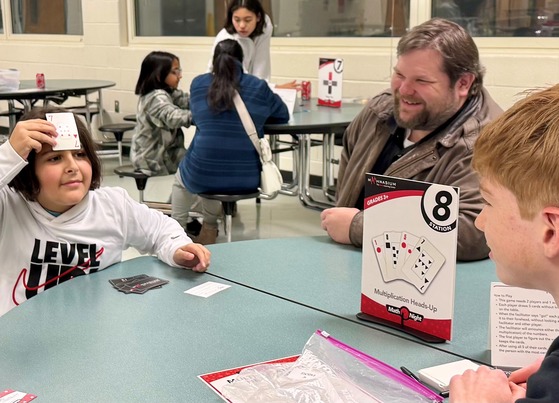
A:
[(439, 207)]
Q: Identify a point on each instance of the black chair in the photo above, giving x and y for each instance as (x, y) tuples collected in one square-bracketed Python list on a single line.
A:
[(229, 205), (130, 118), (141, 181), (13, 116), (118, 130)]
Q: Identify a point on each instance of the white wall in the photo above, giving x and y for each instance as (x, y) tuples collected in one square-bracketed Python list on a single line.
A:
[(108, 51)]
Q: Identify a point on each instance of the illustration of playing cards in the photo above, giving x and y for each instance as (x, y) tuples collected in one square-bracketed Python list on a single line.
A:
[(68, 138), (422, 265), (403, 256)]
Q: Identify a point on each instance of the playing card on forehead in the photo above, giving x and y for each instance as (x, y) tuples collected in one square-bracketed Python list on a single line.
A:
[(68, 137)]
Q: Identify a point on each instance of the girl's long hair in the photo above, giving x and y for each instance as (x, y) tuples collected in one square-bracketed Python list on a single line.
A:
[(156, 66), (227, 63)]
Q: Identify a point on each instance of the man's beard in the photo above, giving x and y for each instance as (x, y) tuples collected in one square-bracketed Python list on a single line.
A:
[(423, 120)]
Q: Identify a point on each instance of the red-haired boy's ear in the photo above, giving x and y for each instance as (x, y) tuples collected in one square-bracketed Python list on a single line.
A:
[(551, 232)]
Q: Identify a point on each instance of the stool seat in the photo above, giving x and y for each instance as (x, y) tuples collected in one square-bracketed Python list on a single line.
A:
[(228, 201), (141, 181), (117, 129), (83, 110), (226, 198)]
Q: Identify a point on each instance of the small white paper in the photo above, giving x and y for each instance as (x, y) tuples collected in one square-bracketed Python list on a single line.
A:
[(207, 289), (68, 138), (523, 325), (288, 96), (439, 376)]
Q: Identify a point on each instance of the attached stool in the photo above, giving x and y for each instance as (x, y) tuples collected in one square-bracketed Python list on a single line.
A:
[(85, 111), (228, 203), (118, 130), (13, 116), (141, 180)]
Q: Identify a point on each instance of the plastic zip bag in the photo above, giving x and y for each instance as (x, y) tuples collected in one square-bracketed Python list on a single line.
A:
[(328, 371)]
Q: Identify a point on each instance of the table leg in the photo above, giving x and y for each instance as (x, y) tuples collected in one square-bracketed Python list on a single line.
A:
[(304, 175), (27, 105), (100, 106)]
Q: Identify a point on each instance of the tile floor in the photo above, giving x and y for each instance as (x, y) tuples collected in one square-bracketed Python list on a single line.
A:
[(283, 216)]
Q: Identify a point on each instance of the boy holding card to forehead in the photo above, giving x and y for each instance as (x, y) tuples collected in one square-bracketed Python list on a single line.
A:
[(517, 158), (56, 220)]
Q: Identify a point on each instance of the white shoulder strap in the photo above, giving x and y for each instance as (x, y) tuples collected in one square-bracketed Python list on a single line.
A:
[(247, 122)]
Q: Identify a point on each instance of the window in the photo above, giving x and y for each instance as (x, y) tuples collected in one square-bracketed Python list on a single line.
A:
[(502, 17), (58, 17), (291, 18)]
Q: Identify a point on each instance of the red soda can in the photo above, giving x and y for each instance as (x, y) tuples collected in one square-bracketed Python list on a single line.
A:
[(40, 81), (306, 90)]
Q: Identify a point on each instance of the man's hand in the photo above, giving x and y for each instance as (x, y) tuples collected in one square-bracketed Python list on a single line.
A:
[(194, 256), (484, 385), (337, 222)]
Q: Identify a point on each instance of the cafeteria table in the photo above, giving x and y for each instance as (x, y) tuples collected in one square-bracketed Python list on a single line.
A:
[(28, 94), (85, 341), (309, 119), (321, 274)]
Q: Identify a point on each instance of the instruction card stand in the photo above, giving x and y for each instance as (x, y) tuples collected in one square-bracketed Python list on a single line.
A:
[(409, 260), (330, 73)]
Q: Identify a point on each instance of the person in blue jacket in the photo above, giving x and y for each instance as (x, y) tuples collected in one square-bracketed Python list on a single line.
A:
[(221, 157)]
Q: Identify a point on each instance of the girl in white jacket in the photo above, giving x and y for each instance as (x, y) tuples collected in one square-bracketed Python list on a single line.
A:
[(248, 24)]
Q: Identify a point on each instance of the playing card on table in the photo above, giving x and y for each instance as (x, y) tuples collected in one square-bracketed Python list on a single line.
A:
[(423, 264), (120, 282), (68, 138), (137, 284)]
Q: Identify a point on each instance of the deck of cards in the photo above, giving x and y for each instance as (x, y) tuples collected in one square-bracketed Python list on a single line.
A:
[(410, 231), (405, 256), (68, 136), (137, 284)]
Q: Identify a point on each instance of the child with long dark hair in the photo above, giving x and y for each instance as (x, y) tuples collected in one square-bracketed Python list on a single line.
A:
[(221, 158), (158, 142), (249, 25)]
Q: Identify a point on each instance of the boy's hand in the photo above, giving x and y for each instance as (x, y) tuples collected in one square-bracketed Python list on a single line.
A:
[(194, 256), (520, 376), (30, 135), (484, 385)]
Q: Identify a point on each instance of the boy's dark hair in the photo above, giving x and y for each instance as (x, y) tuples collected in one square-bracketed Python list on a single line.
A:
[(26, 181), (227, 66), (250, 5), (156, 66)]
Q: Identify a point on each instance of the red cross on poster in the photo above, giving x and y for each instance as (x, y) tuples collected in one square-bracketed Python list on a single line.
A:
[(330, 82)]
